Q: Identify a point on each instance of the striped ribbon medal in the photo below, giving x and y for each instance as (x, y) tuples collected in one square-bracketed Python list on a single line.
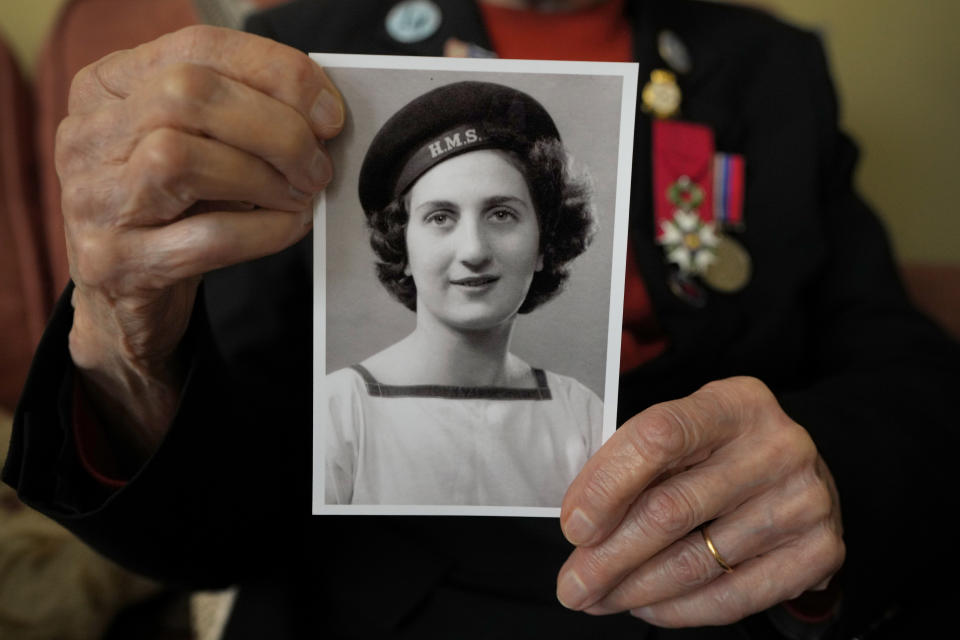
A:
[(731, 267)]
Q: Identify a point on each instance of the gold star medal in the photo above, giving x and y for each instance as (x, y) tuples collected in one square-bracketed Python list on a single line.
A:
[(661, 95)]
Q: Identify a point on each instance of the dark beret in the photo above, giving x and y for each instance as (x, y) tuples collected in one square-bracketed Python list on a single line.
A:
[(443, 123)]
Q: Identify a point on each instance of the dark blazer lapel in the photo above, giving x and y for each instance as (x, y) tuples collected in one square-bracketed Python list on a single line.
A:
[(686, 326), (643, 16)]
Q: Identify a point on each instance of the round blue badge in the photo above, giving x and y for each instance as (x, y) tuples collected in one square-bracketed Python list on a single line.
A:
[(413, 21)]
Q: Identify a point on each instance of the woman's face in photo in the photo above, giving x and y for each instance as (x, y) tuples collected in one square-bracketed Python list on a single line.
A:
[(473, 240)]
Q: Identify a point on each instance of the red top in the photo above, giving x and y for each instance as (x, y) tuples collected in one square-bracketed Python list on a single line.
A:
[(597, 33)]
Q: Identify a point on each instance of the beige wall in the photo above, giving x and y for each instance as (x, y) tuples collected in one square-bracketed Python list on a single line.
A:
[(24, 23), (896, 67), (895, 64)]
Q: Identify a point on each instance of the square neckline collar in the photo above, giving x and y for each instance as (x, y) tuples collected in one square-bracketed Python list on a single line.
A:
[(378, 389)]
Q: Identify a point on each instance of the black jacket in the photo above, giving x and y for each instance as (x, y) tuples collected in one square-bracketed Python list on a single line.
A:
[(824, 322)]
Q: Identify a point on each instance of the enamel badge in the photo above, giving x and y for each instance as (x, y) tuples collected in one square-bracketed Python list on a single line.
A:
[(413, 21)]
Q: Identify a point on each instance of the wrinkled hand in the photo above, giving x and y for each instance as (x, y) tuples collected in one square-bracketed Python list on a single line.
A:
[(195, 151), (727, 455)]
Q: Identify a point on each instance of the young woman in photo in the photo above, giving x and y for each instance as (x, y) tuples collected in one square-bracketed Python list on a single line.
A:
[(474, 215)]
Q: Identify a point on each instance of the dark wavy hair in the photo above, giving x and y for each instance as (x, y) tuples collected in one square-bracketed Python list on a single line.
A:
[(561, 198)]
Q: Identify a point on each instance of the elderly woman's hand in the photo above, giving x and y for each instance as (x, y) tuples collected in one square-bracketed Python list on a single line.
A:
[(729, 456), (195, 151)]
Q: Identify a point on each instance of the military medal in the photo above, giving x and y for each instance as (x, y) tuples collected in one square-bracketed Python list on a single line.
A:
[(731, 270), (688, 241), (683, 202), (661, 95)]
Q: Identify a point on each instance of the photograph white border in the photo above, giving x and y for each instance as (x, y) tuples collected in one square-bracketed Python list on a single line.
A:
[(628, 72)]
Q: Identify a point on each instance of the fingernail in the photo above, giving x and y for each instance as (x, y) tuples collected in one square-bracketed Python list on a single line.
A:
[(301, 196), (579, 529), (644, 613), (321, 170), (571, 592), (308, 217), (327, 110)]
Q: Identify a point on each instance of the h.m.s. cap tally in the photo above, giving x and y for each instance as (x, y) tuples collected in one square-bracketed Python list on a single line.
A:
[(443, 123)]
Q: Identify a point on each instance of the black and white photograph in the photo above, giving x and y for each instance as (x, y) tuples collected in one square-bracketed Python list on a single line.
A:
[(468, 283)]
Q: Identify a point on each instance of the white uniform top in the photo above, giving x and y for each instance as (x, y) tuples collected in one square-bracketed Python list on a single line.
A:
[(445, 445)]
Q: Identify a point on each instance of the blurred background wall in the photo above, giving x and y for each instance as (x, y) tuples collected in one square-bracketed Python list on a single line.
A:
[(24, 23), (895, 64)]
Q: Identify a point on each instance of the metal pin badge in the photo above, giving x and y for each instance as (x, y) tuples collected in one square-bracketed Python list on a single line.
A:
[(413, 21), (661, 95), (674, 52)]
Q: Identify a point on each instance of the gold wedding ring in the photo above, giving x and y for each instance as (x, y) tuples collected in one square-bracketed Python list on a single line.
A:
[(716, 554)]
